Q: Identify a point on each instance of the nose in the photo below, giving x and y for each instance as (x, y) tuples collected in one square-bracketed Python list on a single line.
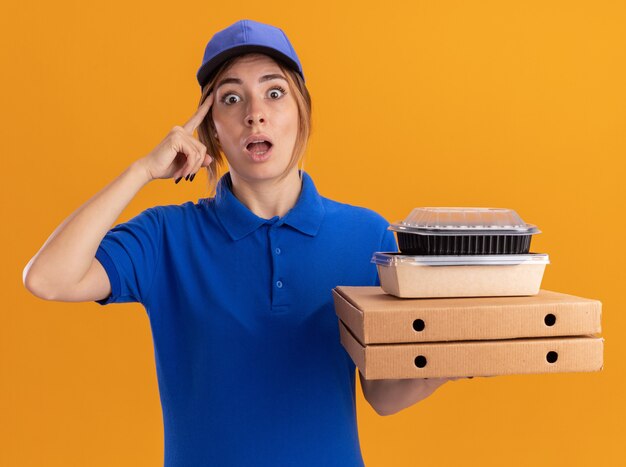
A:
[(256, 113), (251, 119)]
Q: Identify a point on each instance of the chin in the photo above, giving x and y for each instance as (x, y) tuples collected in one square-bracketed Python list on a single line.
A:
[(271, 169)]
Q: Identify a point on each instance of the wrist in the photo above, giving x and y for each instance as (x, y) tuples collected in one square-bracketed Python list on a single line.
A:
[(141, 172)]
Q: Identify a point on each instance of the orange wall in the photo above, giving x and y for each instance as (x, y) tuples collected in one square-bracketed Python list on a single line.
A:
[(490, 103)]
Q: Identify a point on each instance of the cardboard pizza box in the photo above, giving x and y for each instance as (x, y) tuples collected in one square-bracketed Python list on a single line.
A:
[(474, 358), (376, 317)]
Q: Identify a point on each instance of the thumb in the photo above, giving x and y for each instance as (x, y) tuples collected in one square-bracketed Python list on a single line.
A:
[(207, 161)]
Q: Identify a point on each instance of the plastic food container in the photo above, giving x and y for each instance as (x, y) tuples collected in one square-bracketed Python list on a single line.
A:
[(463, 231), (460, 275)]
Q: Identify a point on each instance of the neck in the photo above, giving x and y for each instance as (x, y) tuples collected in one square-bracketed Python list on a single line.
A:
[(268, 198)]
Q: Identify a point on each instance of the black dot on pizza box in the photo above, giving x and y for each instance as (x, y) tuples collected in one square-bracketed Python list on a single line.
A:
[(550, 319), (420, 361), (419, 325), (552, 356)]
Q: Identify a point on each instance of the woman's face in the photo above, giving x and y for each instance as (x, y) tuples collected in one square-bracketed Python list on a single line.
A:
[(253, 97)]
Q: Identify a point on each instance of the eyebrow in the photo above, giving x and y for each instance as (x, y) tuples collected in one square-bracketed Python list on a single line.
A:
[(238, 81)]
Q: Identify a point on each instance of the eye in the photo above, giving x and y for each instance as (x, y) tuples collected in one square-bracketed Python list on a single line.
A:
[(228, 98), (280, 90)]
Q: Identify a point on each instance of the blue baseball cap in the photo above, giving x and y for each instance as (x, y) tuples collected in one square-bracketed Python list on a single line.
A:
[(242, 37)]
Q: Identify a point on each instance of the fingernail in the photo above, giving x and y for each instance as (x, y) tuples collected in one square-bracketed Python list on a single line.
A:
[(178, 179), (192, 177), (187, 177)]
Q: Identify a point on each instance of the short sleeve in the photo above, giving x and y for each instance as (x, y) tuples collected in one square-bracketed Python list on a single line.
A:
[(129, 254), (388, 244)]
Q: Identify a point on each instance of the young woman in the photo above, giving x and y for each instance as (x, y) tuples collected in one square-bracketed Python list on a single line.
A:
[(237, 286)]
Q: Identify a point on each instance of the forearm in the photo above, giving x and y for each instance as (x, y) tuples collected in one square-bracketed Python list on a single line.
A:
[(67, 254), (388, 396)]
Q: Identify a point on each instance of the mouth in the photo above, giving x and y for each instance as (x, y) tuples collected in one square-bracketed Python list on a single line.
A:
[(259, 147)]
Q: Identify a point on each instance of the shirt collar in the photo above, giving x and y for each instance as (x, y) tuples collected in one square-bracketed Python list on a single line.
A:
[(306, 216)]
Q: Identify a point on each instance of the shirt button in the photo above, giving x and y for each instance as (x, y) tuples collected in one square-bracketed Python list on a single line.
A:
[(277, 251), (279, 284)]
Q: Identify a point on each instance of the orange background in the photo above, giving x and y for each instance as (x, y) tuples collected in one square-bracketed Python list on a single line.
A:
[(486, 103)]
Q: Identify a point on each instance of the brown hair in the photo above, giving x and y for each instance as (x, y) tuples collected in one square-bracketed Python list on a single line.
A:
[(206, 129)]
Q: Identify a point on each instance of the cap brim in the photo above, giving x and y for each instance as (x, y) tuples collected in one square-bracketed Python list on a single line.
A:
[(208, 70)]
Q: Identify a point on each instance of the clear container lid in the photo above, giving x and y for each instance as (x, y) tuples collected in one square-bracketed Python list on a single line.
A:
[(464, 221), (394, 259)]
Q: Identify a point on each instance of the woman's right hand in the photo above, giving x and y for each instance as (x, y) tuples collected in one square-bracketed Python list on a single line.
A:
[(180, 154)]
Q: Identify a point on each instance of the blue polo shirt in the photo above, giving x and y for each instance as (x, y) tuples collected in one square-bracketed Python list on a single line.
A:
[(249, 364)]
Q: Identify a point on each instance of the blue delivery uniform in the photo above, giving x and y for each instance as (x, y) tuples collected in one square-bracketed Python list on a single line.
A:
[(250, 368)]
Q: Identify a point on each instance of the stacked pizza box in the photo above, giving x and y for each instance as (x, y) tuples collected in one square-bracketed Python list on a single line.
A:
[(463, 298)]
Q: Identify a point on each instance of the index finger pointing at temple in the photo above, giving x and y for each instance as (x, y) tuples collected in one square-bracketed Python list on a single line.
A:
[(197, 118)]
